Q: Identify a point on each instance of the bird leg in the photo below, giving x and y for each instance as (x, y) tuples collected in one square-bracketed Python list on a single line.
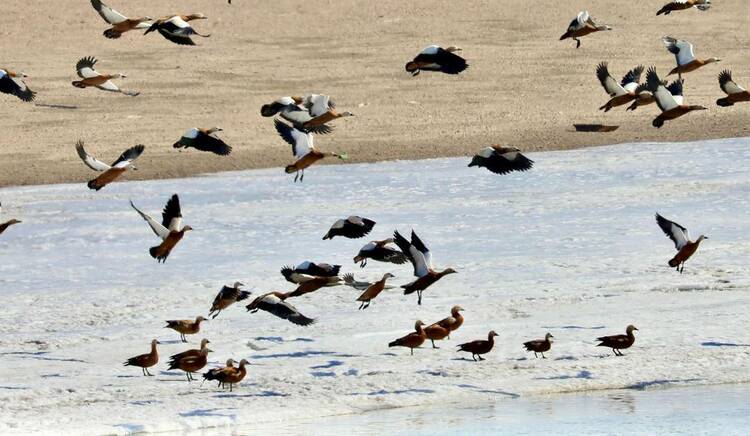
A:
[(215, 315), (143, 371), (148, 373), (535, 354), (361, 306), (187, 374), (182, 336), (296, 176), (302, 177), (419, 297), (578, 42), (433, 343), (480, 357), (543, 356), (412, 351), (473, 356), (230, 387)]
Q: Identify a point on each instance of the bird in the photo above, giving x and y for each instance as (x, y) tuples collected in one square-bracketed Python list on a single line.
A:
[(176, 28), (307, 271), (501, 160), (421, 258), (438, 331), (191, 352), (353, 227), (12, 83), (683, 53), (185, 326), (217, 373), (204, 140), (436, 58), (229, 375), (191, 363), (291, 109), (680, 5), (681, 238), (479, 347), (227, 296), (170, 230), (413, 340), (302, 148), (314, 284), (379, 251), (109, 173), (644, 97), (145, 361), (669, 104), (539, 345), (359, 285), (373, 291), (120, 23), (92, 78), (453, 322), (620, 93), (581, 26), (618, 342), (735, 93), (322, 110), (273, 303), (4, 226)]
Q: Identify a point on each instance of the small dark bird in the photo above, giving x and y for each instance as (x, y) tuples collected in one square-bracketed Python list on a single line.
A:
[(145, 361), (353, 227), (4, 226), (379, 251), (436, 58), (204, 140), (273, 303), (539, 345), (479, 347), (618, 342), (501, 160), (227, 296)]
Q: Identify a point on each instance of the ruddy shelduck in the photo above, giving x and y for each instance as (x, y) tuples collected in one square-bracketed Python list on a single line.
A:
[(683, 53), (479, 347), (421, 258), (501, 160), (618, 342), (436, 58), (413, 340), (681, 5), (92, 78), (145, 361), (379, 251), (204, 139), (109, 173), (185, 326), (620, 93), (735, 93), (352, 227), (540, 346), (120, 23), (682, 242), (302, 148), (671, 107), (12, 83), (581, 26), (176, 28), (170, 230)]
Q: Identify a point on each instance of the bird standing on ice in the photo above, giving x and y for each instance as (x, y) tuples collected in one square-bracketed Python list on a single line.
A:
[(581, 26), (170, 230), (479, 347), (539, 345), (302, 148), (185, 326), (618, 342), (683, 53), (353, 227), (4, 226), (175, 28), (620, 93), (671, 106), (413, 340), (204, 140), (120, 23), (421, 259), (501, 160), (11, 83), (145, 361), (681, 238), (110, 172), (436, 58), (681, 5), (86, 71), (735, 93)]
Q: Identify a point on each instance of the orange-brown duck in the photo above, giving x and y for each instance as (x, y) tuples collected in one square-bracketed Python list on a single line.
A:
[(373, 291), (618, 342), (681, 5), (109, 173), (92, 78), (620, 93), (681, 238), (120, 23), (303, 149), (191, 352), (353, 227), (191, 363), (540, 345), (671, 106), (233, 376), (185, 326), (379, 251), (4, 226), (309, 270), (421, 259), (479, 347), (216, 373), (175, 28), (145, 361), (170, 230), (686, 60), (735, 93), (438, 331), (412, 340), (204, 139), (454, 321), (581, 26), (227, 296)]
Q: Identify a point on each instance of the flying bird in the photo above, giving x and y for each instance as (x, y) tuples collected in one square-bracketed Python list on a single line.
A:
[(204, 140), (681, 5), (581, 26), (671, 107), (175, 28), (273, 303), (620, 93), (109, 173), (4, 226), (11, 83), (359, 285), (302, 148), (618, 342), (379, 251), (501, 160), (373, 291), (682, 242), (421, 258), (683, 53), (91, 78), (170, 230), (145, 361), (735, 93), (353, 227), (307, 271), (436, 58), (120, 23), (644, 97), (292, 110), (479, 347), (539, 345), (227, 296)]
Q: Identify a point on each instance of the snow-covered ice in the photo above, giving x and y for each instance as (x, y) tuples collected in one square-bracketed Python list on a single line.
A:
[(570, 248)]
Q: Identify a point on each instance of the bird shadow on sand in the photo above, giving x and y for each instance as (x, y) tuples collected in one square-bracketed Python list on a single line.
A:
[(260, 394), (488, 391), (320, 374), (14, 388), (640, 386), (723, 344), (586, 375)]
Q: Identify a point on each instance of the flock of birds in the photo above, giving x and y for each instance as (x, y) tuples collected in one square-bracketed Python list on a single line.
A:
[(297, 119)]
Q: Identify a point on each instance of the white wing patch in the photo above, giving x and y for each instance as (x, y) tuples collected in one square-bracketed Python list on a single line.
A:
[(89, 160), (156, 226), (430, 49), (88, 73), (665, 99), (109, 86)]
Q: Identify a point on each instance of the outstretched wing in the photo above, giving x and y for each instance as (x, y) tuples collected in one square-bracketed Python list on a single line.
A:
[(678, 234), (608, 82), (110, 15), (316, 104), (206, 142), (682, 49), (89, 160), (415, 256), (172, 215), (158, 229), (632, 78), (284, 310), (14, 86), (85, 68), (301, 142), (728, 85), (128, 156), (664, 99)]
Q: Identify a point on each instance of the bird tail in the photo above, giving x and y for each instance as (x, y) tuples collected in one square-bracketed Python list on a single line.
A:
[(664, 11), (178, 144), (78, 84), (327, 236), (564, 36), (395, 343), (93, 184), (112, 34), (674, 262), (724, 102)]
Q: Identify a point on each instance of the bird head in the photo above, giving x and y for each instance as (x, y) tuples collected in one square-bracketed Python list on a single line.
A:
[(630, 329), (388, 276), (456, 309), (412, 68), (492, 334), (200, 319), (548, 337), (449, 271), (238, 284), (187, 229), (476, 161)]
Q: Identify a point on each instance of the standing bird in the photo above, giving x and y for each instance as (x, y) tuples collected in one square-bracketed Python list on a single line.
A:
[(373, 291), (683, 53), (669, 104), (192, 351), (412, 340), (681, 238), (581, 26), (439, 331), (145, 361), (453, 322), (171, 230), (436, 58), (11, 83), (110, 173), (539, 345), (353, 227), (620, 93), (216, 373), (191, 363), (204, 140), (501, 160), (644, 97), (185, 326), (479, 347), (175, 28), (735, 93), (292, 109), (307, 271), (421, 259), (4, 226), (302, 148), (91, 78), (273, 303), (618, 342), (226, 297), (681, 5), (120, 23), (233, 376), (378, 250)]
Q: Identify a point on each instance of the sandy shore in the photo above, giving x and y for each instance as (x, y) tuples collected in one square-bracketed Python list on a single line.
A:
[(523, 87)]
